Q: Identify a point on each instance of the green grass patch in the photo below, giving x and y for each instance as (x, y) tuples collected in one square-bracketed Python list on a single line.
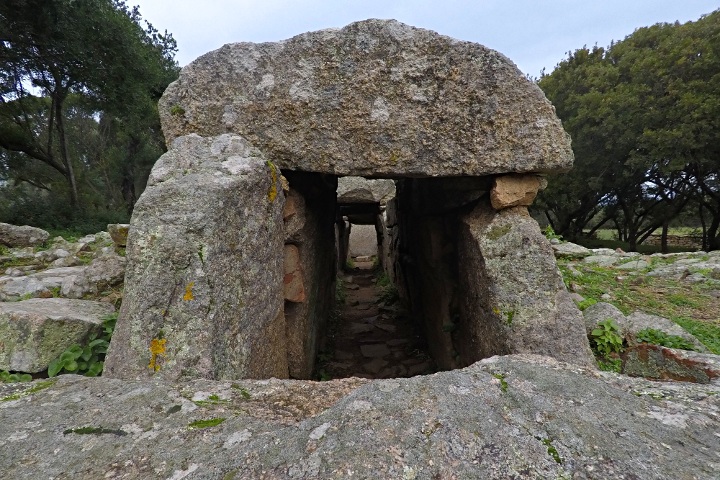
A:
[(707, 333)]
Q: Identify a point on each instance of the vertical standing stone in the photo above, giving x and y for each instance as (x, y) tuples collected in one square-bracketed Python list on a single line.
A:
[(203, 288), (513, 296)]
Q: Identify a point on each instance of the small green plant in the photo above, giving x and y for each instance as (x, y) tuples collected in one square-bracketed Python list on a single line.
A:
[(551, 450), (503, 382), (584, 304), (550, 234), (340, 295), (38, 386), (658, 337), (243, 391), (7, 377), (177, 110), (606, 338), (607, 345), (86, 360), (349, 264), (388, 292), (610, 364)]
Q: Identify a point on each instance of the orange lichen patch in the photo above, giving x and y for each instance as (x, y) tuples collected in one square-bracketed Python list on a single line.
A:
[(188, 292), (272, 193), (157, 349)]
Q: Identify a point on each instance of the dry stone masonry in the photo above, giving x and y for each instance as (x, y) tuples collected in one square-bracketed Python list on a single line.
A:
[(234, 247)]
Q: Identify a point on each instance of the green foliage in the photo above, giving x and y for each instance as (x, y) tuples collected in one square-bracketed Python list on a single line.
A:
[(177, 110), (503, 382), (7, 377), (76, 148), (584, 304), (642, 114), (609, 364), (340, 295), (37, 386), (606, 338), (349, 264), (85, 360), (212, 422), (707, 333), (658, 337), (551, 450), (95, 431), (388, 291), (550, 233)]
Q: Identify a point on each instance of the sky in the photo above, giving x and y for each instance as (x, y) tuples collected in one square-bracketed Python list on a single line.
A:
[(535, 34)]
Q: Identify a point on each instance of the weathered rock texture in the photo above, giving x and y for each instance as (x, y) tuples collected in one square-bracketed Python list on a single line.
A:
[(24, 236), (375, 98), (516, 300), (35, 332), (204, 274), (514, 190), (119, 233), (363, 241), (362, 190), (311, 238), (521, 417)]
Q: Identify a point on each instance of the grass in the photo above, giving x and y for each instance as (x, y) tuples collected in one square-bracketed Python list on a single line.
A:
[(689, 305)]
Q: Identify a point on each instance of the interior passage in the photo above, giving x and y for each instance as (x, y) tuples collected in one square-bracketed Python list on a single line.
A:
[(372, 335)]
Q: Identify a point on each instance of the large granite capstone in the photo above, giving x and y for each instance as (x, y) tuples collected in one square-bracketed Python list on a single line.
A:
[(375, 98)]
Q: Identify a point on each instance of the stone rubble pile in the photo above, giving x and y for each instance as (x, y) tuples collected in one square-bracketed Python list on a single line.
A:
[(55, 294)]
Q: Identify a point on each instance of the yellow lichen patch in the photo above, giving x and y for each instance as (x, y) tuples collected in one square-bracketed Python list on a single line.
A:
[(157, 349), (272, 193), (188, 292)]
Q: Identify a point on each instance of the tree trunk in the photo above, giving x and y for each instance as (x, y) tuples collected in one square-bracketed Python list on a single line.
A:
[(69, 172), (663, 237)]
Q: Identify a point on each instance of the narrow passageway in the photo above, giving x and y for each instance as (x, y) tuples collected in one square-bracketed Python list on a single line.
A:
[(372, 336)]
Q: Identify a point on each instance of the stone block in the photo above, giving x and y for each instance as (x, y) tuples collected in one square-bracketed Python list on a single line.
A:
[(35, 332), (514, 190), (293, 286)]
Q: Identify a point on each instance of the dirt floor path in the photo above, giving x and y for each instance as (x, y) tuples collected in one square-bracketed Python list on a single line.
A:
[(371, 339)]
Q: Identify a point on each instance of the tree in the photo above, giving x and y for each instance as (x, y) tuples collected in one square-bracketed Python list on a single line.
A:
[(644, 116), (79, 59)]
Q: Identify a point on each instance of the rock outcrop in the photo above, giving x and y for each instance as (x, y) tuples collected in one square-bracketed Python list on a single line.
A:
[(203, 286), (523, 417), (376, 98), (34, 332), (21, 236)]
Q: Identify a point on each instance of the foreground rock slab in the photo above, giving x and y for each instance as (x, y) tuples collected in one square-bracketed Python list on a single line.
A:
[(521, 416), (36, 331)]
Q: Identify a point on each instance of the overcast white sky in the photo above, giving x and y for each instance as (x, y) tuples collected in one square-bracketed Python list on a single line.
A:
[(532, 33)]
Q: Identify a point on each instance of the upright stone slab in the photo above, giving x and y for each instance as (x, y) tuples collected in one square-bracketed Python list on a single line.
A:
[(203, 288), (376, 98), (513, 296)]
